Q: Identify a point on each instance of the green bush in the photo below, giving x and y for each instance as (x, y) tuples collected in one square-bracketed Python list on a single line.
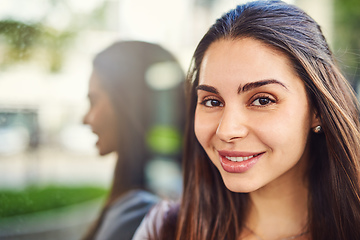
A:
[(36, 199)]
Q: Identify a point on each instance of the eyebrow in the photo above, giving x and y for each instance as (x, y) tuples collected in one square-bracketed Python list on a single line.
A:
[(252, 85), (207, 88), (245, 88)]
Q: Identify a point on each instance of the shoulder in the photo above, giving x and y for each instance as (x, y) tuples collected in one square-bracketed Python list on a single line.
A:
[(135, 199), (154, 220), (124, 216)]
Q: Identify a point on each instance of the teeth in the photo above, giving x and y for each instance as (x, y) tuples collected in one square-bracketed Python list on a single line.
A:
[(239, 159)]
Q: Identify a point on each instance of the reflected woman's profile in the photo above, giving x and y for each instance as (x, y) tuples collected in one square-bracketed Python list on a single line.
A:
[(134, 89)]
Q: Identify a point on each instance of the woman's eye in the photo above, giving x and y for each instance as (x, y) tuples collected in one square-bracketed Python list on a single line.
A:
[(212, 103), (92, 103), (262, 101)]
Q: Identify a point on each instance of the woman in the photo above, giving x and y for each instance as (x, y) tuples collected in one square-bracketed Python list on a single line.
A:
[(272, 141), (126, 104)]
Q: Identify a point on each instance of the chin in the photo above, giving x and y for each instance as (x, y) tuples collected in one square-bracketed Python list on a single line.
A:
[(239, 186), (104, 152), (101, 151)]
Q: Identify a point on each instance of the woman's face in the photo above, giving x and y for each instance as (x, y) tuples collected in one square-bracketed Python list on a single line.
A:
[(101, 117), (253, 116)]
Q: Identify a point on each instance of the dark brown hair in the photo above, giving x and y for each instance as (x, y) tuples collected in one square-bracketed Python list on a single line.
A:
[(208, 210)]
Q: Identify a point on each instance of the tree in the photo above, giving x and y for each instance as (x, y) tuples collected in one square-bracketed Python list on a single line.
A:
[(347, 37)]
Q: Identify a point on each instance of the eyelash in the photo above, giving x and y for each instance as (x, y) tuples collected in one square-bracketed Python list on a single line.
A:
[(203, 102), (268, 98), (257, 98)]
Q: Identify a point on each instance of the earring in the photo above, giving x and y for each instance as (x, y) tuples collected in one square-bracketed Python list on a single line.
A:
[(317, 129)]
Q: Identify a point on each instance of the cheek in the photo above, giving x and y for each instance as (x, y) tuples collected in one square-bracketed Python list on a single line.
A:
[(205, 128), (286, 131), (100, 118), (201, 130), (105, 114)]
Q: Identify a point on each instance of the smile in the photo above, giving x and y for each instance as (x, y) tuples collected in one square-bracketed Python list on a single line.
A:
[(240, 159), (238, 162)]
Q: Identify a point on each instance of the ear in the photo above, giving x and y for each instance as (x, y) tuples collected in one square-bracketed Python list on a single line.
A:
[(315, 118)]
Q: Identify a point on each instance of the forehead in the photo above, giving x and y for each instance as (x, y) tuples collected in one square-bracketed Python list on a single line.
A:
[(94, 82), (244, 59)]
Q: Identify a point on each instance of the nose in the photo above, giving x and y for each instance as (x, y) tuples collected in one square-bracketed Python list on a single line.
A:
[(85, 119), (233, 125)]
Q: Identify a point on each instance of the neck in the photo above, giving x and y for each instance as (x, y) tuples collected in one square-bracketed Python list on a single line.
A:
[(280, 209)]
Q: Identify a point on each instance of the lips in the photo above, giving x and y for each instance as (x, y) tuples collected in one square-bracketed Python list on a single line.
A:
[(238, 162), (240, 159), (97, 142)]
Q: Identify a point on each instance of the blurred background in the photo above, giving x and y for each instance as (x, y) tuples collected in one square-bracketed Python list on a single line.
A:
[(52, 181)]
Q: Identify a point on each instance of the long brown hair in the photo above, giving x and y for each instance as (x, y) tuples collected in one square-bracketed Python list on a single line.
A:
[(208, 210)]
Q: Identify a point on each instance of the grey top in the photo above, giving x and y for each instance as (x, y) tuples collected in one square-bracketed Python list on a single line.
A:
[(153, 221), (125, 215)]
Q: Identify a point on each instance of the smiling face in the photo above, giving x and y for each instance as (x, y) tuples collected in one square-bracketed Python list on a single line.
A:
[(253, 116), (101, 117)]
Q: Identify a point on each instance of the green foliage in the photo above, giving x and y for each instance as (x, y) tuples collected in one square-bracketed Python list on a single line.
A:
[(19, 37), (55, 43), (164, 139), (41, 199), (23, 42), (347, 35)]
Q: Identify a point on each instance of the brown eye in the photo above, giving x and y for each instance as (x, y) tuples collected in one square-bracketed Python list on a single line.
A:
[(262, 101), (212, 103)]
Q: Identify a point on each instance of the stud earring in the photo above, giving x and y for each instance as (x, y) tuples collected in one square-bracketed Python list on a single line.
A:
[(317, 129)]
